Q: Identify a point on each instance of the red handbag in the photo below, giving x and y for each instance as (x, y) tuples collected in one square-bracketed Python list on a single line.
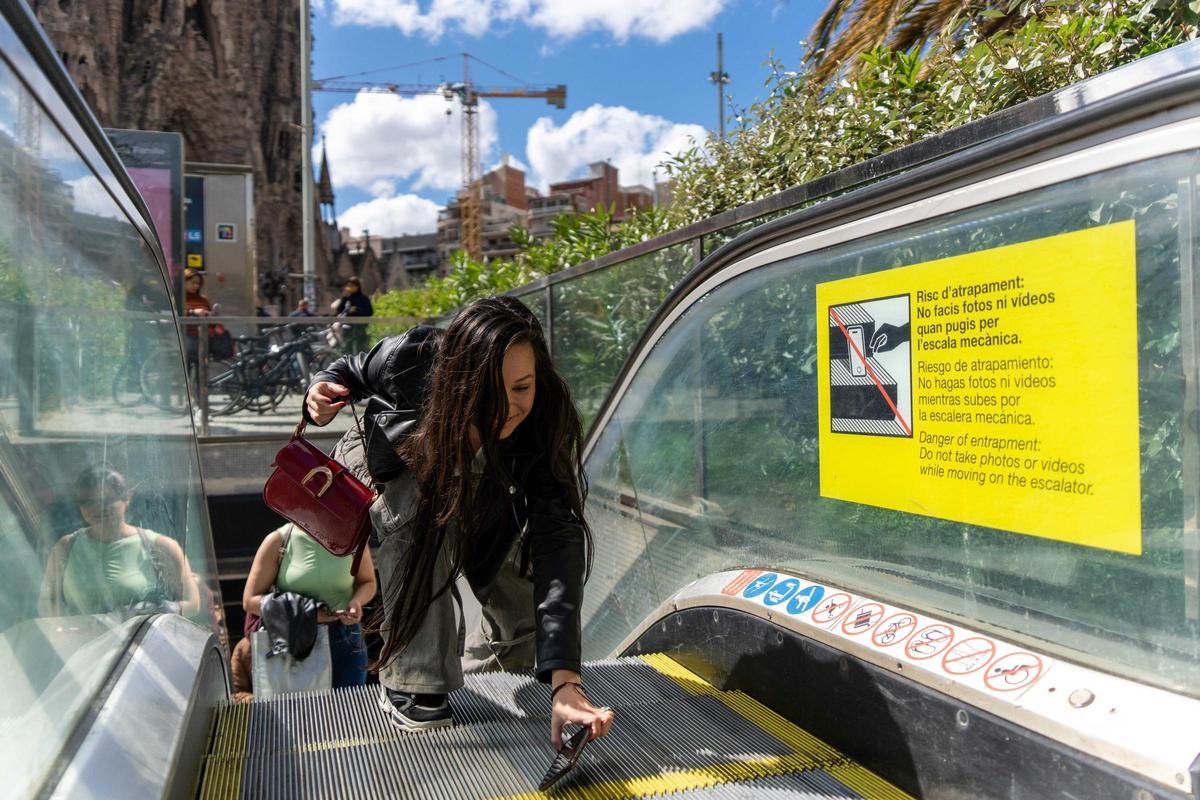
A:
[(321, 496)]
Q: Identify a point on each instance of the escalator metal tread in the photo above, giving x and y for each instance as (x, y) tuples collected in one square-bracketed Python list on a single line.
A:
[(675, 735)]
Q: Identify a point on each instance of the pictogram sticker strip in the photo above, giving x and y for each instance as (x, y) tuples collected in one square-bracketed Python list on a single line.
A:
[(740, 582), (955, 653)]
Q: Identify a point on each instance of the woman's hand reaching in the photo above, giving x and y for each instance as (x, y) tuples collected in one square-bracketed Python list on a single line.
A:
[(325, 399), (572, 707)]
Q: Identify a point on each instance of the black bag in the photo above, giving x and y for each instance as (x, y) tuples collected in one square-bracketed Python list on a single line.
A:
[(220, 343), (385, 429)]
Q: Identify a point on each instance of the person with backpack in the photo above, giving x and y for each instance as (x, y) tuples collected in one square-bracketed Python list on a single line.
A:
[(111, 565), (487, 484)]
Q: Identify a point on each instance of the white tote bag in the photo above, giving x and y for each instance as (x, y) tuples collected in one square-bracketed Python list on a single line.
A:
[(282, 674)]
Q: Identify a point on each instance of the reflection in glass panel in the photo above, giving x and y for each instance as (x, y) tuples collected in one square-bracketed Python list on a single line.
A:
[(101, 516), (536, 301), (711, 459), (599, 316)]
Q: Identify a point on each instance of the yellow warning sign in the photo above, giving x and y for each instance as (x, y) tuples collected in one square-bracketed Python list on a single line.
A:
[(997, 388)]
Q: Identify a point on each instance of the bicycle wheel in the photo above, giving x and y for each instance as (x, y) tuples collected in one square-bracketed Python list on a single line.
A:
[(162, 381), (226, 388), (263, 391)]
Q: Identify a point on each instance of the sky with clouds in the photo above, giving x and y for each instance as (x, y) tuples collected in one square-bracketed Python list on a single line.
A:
[(636, 73)]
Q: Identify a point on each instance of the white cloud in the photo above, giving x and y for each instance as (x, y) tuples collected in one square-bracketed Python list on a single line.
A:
[(513, 162), (92, 198), (379, 138), (635, 144), (391, 216), (658, 20)]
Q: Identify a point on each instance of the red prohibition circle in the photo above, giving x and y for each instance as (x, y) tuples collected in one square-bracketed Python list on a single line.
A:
[(895, 629), (873, 611), (1029, 670), (842, 605), (989, 649), (920, 639)]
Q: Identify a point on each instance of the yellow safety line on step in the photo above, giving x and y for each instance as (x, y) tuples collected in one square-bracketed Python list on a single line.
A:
[(223, 767), (865, 782), (809, 753)]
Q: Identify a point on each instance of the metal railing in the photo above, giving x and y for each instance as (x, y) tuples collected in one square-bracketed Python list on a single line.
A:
[(246, 376)]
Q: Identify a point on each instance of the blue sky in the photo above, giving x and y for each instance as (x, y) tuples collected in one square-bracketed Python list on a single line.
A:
[(636, 73)]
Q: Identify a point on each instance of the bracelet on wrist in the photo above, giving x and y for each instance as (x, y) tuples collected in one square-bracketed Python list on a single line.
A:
[(560, 687)]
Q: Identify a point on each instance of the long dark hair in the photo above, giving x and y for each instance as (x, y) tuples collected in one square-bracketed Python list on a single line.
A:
[(467, 389)]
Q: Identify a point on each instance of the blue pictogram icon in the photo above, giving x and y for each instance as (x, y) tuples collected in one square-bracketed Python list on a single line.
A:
[(781, 591), (760, 585), (805, 599)]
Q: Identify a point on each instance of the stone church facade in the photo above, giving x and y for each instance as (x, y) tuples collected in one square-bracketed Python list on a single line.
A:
[(223, 73)]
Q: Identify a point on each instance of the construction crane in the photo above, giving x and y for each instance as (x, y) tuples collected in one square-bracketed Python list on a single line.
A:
[(468, 94)]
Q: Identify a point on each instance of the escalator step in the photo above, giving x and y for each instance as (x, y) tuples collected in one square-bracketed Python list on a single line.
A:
[(674, 735)]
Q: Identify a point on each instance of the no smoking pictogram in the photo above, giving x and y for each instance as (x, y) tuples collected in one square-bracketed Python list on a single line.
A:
[(862, 619), (968, 656), (929, 641), (1013, 671), (832, 608), (894, 629)]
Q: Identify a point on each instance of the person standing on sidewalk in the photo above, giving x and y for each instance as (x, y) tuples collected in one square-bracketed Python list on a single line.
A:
[(353, 303)]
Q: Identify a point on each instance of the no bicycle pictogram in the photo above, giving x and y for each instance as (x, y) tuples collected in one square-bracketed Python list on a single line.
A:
[(862, 619), (1013, 671), (968, 656), (894, 629), (929, 641), (832, 608)]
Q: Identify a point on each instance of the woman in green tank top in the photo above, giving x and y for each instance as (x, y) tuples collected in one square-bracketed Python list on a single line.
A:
[(110, 565), (292, 561)]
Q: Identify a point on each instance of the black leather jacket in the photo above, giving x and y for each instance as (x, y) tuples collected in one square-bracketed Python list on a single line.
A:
[(397, 369)]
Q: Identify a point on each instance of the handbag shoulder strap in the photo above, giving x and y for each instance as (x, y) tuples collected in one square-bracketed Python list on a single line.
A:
[(155, 561), (285, 537)]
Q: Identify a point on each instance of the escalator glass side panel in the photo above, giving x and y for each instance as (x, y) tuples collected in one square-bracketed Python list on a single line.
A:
[(712, 456), (597, 317), (101, 508)]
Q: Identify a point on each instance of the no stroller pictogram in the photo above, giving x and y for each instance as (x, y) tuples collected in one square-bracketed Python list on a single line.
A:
[(929, 641)]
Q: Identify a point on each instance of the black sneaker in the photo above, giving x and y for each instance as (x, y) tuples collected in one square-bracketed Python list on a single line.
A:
[(415, 712)]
